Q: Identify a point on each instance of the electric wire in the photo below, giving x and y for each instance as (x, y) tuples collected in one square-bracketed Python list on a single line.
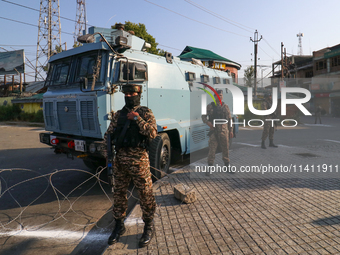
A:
[(271, 47), (169, 47), (265, 52), (160, 6), (30, 8), (218, 16), (17, 21), (18, 45)]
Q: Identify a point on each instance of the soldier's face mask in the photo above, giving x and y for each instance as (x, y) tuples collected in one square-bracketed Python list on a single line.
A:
[(132, 101)]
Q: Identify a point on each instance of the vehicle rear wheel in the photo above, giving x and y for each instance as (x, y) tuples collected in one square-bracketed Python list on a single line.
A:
[(160, 155)]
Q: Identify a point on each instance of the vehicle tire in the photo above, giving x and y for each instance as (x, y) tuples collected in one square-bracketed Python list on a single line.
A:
[(160, 156), (93, 163)]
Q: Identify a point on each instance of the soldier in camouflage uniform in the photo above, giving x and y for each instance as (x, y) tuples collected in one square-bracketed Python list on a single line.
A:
[(268, 128), (132, 161), (220, 134)]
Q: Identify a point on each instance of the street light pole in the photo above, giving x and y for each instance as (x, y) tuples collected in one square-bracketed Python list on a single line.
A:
[(256, 40)]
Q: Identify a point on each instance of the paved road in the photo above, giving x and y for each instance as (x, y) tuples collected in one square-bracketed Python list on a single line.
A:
[(49, 203), (76, 225), (294, 212)]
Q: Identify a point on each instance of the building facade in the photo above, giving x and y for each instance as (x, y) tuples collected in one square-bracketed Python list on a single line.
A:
[(212, 60), (319, 73)]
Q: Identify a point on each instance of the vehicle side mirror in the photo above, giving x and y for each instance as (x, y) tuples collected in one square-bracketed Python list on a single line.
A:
[(83, 83)]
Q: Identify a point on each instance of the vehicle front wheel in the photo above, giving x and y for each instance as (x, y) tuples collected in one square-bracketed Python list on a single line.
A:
[(93, 163), (160, 155)]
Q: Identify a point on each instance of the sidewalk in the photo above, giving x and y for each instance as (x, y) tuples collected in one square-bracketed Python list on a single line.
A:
[(282, 213), (22, 123)]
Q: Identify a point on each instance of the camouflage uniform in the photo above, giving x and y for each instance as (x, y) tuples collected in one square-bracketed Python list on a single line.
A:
[(133, 163), (267, 127), (318, 114), (220, 134)]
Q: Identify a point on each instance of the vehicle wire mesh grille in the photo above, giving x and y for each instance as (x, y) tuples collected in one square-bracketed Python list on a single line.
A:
[(87, 115), (67, 116), (49, 118), (198, 136)]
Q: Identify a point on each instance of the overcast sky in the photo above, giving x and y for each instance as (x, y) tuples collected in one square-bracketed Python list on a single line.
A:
[(224, 27)]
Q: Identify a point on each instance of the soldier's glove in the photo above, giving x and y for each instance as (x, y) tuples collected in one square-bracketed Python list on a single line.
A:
[(210, 132)]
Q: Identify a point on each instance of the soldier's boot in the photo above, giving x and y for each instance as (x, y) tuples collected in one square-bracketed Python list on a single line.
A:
[(117, 232), (271, 144), (149, 232), (207, 172), (226, 164), (263, 146)]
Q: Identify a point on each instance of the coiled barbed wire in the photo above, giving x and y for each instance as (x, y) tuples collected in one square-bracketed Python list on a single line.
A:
[(62, 198)]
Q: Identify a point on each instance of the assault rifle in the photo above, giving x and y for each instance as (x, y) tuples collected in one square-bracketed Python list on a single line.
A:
[(110, 161)]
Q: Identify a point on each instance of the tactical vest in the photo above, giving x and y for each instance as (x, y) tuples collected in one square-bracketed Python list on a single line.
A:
[(268, 105), (132, 137), (218, 112)]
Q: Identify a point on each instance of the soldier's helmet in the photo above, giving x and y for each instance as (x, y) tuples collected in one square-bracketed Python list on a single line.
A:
[(219, 91), (132, 88), (119, 26)]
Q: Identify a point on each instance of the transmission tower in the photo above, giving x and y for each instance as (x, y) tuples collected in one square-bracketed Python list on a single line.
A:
[(80, 19), (49, 35), (300, 35)]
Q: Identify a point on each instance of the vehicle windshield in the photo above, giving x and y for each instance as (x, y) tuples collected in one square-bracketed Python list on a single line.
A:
[(58, 72), (74, 69)]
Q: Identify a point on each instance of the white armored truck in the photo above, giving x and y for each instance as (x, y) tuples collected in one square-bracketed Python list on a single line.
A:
[(83, 86)]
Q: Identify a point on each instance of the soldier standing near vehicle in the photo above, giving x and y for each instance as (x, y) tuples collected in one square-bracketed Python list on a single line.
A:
[(132, 127), (268, 128), (318, 114), (220, 134)]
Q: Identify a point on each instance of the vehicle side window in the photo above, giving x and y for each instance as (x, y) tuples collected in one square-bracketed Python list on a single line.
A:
[(86, 67), (132, 71), (58, 73)]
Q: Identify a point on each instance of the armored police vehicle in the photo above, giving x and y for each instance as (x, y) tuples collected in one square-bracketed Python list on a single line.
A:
[(83, 86)]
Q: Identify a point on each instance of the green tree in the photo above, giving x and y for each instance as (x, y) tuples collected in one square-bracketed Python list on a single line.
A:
[(58, 48), (249, 75), (77, 44), (140, 31)]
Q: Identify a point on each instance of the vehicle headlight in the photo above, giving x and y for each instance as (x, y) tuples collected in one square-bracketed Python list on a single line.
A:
[(92, 148)]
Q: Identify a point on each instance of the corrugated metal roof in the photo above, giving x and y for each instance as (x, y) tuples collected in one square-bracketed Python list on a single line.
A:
[(34, 86), (203, 54), (33, 99)]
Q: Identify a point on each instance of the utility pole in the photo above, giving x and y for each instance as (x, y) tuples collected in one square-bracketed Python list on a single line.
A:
[(282, 60), (80, 19), (255, 41), (49, 34), (284, 68)]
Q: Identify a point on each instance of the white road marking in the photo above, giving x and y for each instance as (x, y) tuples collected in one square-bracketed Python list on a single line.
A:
[(132, 221), (334, 141), (254, 145), (248, 144), (281, 145), (55, 234), (317, 125)]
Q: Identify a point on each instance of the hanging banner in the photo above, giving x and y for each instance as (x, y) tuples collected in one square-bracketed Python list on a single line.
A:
[(12, 62)]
